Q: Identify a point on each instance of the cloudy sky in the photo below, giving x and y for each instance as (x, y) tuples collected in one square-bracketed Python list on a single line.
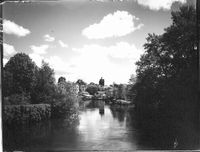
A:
[(85, 39)]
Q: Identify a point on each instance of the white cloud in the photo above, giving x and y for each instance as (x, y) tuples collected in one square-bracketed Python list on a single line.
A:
[(62, 44), (120, 23), (37, 53), (37, 58), (8, 49), (124, 50), (159, 4), (121, 50), (62, 68), (39, 49), (57, 64), (111, 0), (152, 4), (49, 38), (5, 60), (10, 27), (94, 61)]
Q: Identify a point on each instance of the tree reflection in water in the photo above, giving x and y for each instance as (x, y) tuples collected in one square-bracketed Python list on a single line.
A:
[(119, 112), (119, 127), (160, 131), (30, 136)]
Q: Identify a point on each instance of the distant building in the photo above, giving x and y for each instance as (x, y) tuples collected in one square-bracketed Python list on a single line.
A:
[(82, 88), (101, 82), (82, 85), (109, 92), (76, 88)]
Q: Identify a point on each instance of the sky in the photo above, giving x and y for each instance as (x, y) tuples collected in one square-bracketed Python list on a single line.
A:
[(85, 39)]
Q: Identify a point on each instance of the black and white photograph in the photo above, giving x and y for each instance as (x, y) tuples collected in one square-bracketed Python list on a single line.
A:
[(99, 75)]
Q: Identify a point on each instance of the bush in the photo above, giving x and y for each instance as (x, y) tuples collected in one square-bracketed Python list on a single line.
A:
[(18, 114), (65, 103), (92, 89)]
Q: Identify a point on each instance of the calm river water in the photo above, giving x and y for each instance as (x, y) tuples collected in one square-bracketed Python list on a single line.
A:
[(115, 129)]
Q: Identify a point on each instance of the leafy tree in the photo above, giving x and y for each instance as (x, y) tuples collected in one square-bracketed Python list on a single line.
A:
[(45, 86), (61, 79), (92, 89), (81, 85), (80, 82), (166, 72), (65, 101), (19, 75), (132, 79)]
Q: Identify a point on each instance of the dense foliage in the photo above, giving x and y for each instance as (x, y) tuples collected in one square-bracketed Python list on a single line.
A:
[(92, 89), (65, 100), (25, 83), (167, 74), (80, 82), (17, 99), (19, 77), (45, 86), (17, 114), (119, 91)]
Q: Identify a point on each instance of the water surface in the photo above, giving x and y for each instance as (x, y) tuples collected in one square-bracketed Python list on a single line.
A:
[(114, 129)]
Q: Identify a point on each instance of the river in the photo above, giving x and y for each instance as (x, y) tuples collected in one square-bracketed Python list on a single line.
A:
[(114, 129)]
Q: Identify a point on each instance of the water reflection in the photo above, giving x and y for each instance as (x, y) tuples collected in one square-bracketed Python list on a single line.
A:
[(164, 133), (103, 131), (119, 112), (117, 128)]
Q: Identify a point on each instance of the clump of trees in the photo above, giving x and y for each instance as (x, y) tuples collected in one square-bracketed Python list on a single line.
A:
[(167, 74), (26, 83), (92, 88), (81, 85), (65, 101), (119, 91), (19, 79), (45, 85)]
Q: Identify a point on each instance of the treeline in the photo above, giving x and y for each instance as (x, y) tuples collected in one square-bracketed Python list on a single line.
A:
[(167, 72), (25, 83)]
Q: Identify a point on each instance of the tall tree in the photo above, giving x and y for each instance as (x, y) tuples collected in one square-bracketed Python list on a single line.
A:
[(80, 82), (19, 75), (61, 79), (45, 86), (167, 71)]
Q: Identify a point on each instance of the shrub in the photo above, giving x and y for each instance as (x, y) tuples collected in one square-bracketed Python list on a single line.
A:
[(92, 89), (17, 114), (65, 103)]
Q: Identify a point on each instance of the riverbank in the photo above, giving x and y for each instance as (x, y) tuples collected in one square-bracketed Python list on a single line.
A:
[(118, 128), (19, 114)]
